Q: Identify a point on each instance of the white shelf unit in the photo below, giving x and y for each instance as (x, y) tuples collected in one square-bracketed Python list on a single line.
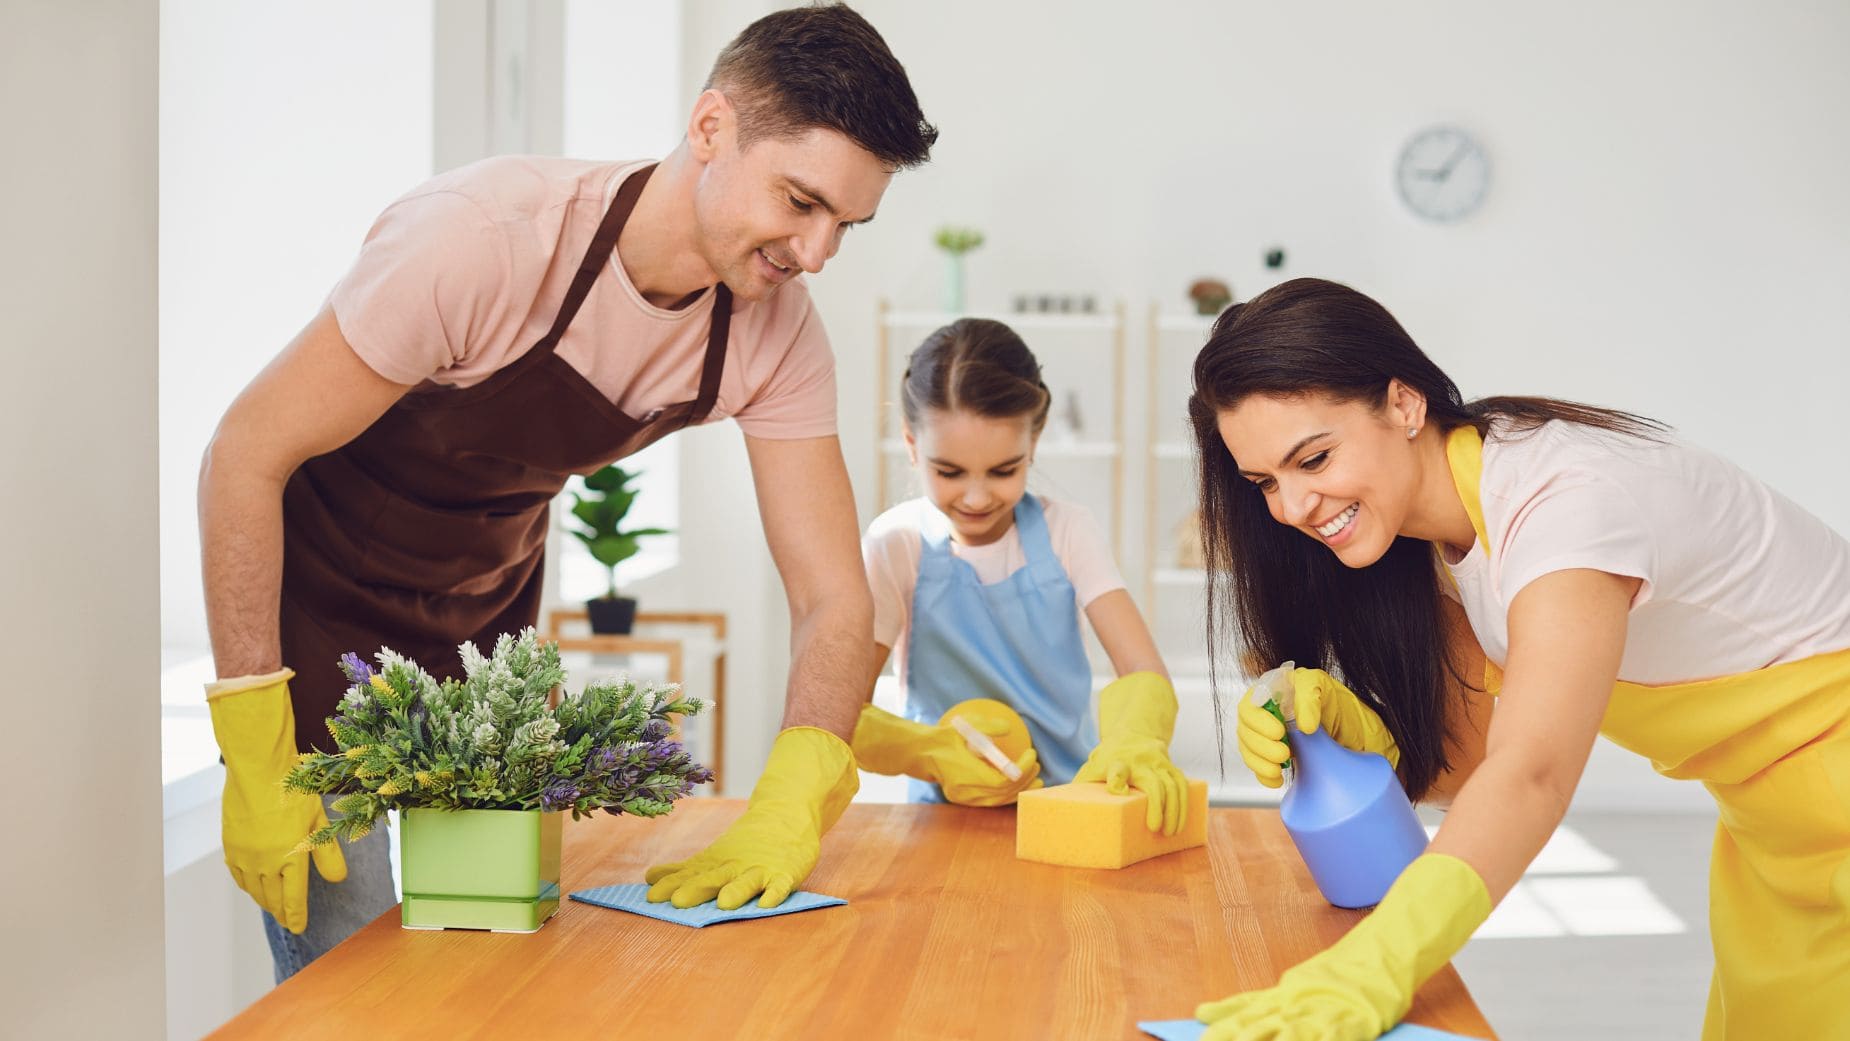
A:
[(1164, 452), (916, 324), (1179, 577)]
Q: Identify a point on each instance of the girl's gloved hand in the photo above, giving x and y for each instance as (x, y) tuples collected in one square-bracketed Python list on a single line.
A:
[(1136, 720), (888, 744)]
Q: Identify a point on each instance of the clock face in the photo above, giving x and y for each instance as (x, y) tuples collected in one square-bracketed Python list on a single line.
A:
[(1443, 174)]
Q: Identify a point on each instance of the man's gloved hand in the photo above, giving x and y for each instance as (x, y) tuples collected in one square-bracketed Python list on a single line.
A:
[(263, 825), (1320, 701), (775, 843), (1136, 719), (1364, 983), (888, 744)]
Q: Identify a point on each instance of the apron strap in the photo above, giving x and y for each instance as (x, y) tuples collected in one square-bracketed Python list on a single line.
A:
[(715, 364), (602, 245), (1036, 539), (1464, 454)]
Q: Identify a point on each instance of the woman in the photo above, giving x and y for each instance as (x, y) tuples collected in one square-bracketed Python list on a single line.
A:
[(1364, 519)]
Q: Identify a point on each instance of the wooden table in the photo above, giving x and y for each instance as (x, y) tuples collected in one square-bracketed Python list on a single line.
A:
[(946, 935)]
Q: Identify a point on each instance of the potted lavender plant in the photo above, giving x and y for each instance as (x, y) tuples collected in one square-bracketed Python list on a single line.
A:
[(483, 771)]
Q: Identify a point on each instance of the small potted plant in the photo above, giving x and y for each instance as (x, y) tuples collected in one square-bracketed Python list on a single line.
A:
[(955, 242), (1211, 296), (483, 771), (600, 508)]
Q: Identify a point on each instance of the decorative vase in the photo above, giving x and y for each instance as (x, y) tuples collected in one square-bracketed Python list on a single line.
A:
[(954, 283), (479, 869), (611, 615)]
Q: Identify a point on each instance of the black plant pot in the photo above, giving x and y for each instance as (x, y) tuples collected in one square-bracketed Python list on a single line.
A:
[(612, 616)]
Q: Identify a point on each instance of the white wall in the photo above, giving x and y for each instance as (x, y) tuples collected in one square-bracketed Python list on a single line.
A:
[(80, 878), (1667, 228), (285, 129)]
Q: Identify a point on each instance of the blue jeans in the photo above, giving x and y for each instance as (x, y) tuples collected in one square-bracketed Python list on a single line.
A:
[(336, 910)]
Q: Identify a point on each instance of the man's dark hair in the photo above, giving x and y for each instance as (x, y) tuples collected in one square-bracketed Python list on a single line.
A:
[(823, 66)]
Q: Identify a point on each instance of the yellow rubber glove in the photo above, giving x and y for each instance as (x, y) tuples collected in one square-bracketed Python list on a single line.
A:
[(1320, 700), (1364, 983), (775, 843), (888, 744), (1136, 720), (262, 824)]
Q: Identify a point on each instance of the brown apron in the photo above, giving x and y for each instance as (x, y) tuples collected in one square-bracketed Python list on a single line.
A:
[(429, 528)]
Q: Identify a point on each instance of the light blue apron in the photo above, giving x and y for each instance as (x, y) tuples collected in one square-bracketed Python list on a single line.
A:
[(1017, 640)]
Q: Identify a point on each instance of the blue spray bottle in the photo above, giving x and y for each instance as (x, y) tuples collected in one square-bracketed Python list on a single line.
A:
[(1345, 810)]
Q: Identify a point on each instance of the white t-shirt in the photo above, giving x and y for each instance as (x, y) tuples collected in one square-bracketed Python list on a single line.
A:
[(1735, 576), (890, 550)]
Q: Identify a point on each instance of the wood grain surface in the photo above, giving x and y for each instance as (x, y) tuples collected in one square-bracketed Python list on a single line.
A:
[(946, 936)]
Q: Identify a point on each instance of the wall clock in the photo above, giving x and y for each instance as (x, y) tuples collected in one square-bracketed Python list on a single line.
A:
[(1443, 174)]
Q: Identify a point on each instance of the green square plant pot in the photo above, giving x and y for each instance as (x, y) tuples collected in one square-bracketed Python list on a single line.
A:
[(479, 869)]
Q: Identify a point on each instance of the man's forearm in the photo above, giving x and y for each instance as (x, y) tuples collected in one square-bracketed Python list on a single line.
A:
[(241, 554), (832, 650)]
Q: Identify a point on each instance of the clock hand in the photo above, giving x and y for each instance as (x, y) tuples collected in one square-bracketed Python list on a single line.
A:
[(1457, 154)]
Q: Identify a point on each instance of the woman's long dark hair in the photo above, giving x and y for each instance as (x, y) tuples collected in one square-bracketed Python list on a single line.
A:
[(1376, 628)]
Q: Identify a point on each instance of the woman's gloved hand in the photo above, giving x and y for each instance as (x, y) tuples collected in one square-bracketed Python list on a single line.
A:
[(1136, 720), (1320, 701), (1364, 983)]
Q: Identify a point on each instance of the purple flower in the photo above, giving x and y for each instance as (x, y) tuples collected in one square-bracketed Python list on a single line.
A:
[(356, 668), (559, 796)]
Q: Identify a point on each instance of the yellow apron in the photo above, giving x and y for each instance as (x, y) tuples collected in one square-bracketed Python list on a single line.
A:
[(1773, 747)]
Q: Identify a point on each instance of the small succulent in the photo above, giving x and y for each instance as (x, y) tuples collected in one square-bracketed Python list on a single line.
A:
[(1211, 295), (957, 241)]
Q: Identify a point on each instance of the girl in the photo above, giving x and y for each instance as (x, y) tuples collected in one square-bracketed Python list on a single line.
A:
[(1601, 576), (979, 586)]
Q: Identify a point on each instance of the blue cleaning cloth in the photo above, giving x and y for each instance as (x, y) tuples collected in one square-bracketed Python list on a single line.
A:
[(1192, 1029), (632, 898)]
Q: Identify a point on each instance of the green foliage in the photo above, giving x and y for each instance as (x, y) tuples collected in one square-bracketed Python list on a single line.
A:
[(601, 513), (957, 241), (490, 741)]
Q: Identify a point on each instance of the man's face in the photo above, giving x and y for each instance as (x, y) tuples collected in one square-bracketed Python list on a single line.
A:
[(782, 205)]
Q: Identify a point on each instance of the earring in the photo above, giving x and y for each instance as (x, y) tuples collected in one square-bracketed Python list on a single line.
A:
[(1412, 432)]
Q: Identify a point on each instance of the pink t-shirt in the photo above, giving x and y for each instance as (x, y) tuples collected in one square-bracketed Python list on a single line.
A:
[(1736, 576), (465, 273)]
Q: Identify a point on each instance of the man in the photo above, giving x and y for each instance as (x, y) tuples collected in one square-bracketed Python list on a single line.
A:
[(385, 480)]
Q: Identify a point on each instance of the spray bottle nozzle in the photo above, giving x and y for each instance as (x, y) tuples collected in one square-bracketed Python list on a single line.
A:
[(1275, 693)]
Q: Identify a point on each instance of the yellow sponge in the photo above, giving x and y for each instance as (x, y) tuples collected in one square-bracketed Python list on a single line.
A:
[(1083, 825)]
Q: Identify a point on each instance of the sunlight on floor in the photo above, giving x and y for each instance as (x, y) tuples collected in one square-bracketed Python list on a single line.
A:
[(1569, 891)]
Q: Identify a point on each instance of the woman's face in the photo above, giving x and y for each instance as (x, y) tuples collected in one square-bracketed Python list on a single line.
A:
[(975, 469), (1342, 472)]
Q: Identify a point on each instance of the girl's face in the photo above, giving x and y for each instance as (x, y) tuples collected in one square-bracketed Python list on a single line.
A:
[(975, 469), (1342, 472)]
